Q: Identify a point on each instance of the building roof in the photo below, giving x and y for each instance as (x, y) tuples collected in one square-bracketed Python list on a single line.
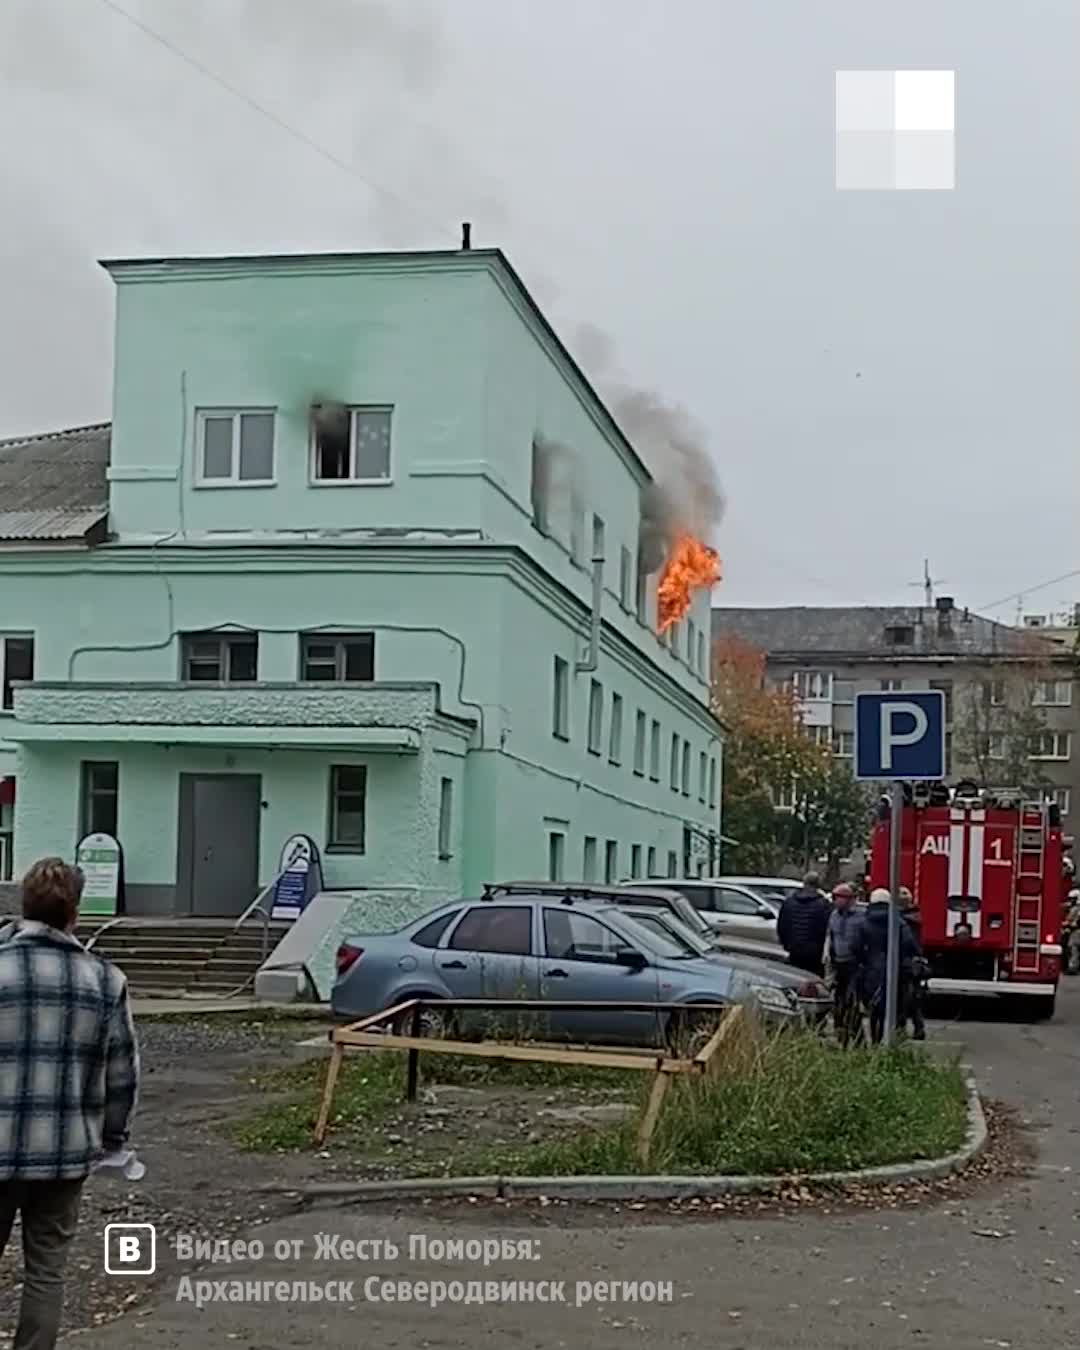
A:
[(492, 258), (869, 632), (54, 487)]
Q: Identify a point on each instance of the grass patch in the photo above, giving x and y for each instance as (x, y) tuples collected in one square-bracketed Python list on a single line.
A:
[(798, 1104), (372, 1087)]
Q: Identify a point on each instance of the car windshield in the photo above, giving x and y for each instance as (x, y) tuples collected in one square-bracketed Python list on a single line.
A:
[(659, 940), (655, 923)]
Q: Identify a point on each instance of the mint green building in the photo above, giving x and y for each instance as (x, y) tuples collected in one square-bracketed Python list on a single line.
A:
[(329, 571)]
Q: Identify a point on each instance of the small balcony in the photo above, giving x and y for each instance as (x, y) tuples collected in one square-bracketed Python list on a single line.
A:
[(378, 716)]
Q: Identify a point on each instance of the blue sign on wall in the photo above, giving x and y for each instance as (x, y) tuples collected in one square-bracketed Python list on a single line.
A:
[(299, 877), (900, 735)]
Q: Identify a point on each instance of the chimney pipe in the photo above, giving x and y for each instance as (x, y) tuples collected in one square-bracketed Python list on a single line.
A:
[(466, 235), (593, 658)]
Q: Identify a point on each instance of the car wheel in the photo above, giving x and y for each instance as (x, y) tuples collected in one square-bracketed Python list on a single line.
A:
[(688, 1032), (433, 1022)]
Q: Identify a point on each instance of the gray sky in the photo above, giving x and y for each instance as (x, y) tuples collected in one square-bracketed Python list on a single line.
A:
[(881, 376)]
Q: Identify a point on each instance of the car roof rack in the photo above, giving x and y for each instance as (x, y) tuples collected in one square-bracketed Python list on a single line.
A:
[(569, 891)]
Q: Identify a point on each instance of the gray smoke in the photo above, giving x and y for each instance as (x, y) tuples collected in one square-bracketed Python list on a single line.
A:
[(686, 493)]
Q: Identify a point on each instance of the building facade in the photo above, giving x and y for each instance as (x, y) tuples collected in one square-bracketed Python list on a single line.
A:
[(318, 577), (999, 684)]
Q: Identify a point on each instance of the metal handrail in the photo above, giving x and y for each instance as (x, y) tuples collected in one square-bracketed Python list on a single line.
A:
[(259, 906), (111, 923)]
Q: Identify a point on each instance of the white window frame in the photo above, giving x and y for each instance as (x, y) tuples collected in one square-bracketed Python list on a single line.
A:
[(1055, 686), (594, 739), (786, 799), (1063, 797), (615, 729), (842, 739), (352, 481), (202, 416), (812, 686), (560, 698), (820, 736), (892, 686), (641, 729), (15, 637), (995, 745), (1057, 738)]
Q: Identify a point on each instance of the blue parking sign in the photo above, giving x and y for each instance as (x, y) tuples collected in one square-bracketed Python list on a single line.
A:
[(900, 735)]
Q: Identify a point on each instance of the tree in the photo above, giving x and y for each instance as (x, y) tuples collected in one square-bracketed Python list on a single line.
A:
[(995, 724), (768, 751)]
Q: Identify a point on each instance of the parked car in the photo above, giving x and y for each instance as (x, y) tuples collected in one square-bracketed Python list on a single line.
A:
[(549, 948), (735, 910), (775, 889)]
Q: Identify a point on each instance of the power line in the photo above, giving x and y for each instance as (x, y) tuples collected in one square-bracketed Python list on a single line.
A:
[(270, 115), (1030, 590)]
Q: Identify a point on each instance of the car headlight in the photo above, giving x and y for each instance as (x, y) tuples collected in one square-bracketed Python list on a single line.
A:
[(775, 997)]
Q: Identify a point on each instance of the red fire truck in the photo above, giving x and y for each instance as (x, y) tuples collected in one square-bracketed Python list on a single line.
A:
[(987, 872)]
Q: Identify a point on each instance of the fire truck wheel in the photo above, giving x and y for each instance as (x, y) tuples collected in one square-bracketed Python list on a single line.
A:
[(1038, 1009)]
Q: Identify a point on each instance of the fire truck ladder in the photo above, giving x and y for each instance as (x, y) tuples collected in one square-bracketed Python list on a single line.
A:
[(1030, 886)]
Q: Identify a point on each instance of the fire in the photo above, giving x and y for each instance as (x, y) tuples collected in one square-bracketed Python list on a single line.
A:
[(690, 564)]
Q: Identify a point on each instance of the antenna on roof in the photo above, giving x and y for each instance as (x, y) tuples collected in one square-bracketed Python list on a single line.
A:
[(928, 583)]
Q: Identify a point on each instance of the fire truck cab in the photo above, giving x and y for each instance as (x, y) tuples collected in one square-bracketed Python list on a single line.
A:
[(987, 872)]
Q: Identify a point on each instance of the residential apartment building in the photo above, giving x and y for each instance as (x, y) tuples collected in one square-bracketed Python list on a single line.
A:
[(998, 683), (316, 577)]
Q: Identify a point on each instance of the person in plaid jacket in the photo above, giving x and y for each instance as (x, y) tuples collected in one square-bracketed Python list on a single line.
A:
[(69, 1075)]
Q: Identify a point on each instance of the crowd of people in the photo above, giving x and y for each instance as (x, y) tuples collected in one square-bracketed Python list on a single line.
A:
[(850, 943)]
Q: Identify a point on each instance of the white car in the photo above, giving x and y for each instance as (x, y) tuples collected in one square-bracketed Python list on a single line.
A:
[(728, 907)]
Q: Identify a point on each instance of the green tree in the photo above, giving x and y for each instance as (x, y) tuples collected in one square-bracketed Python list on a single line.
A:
[(995, 725)]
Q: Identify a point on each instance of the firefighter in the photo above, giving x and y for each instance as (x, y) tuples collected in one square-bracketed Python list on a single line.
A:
[(913, 974), (845, 926)]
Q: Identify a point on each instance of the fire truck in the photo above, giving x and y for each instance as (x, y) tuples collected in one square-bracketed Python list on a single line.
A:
[(987, 871)]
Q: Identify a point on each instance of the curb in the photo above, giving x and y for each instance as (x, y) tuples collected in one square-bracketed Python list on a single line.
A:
[(584, 1188)]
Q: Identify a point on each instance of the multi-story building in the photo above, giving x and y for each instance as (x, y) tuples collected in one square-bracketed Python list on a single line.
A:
[(318, 576), (999, 683)]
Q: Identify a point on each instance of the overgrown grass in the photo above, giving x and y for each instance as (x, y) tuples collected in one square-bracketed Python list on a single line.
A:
[(797, 1104)]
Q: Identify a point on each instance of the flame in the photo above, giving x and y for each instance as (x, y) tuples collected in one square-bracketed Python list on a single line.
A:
[(690, 564)]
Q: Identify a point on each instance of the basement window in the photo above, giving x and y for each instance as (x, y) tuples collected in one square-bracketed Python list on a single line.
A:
[(350, 445)]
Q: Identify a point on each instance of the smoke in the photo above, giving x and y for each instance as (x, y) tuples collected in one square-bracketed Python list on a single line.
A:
[(686, 494)]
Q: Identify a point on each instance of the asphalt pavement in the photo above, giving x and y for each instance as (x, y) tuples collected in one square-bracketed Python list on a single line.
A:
[(1000, 1267)]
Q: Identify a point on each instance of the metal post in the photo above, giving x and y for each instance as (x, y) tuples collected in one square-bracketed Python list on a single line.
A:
[(892, 959)]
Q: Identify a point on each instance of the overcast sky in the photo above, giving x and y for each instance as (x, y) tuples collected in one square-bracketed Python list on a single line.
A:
[(881, 376)]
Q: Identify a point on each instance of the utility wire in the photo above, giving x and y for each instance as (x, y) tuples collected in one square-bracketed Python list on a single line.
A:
[(1030, 590), (271, 116)]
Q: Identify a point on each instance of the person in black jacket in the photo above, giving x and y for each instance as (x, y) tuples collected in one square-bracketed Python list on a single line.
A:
[(803, 924), (913, 975), (873, 961)]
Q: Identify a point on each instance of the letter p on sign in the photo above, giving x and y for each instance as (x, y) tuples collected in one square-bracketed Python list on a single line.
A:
[(891, 715)]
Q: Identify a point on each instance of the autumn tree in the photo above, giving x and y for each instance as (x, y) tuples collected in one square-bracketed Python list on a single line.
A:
[(767, 751), (995, 724)]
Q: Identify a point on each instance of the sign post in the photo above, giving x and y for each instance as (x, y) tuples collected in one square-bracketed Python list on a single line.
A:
[(299, 877), (899, 737), (100, 859)]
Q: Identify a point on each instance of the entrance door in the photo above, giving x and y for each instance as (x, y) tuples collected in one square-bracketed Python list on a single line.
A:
[(218, 871)]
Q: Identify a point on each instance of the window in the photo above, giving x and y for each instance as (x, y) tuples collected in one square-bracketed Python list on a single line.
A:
[(626, 565), (350, 445), (1052, 745), (219, 658), (430, 934), (615, 735), (650, 865), (235, 447), (570, 935), (844, 744), (99, 797), (16, 663), (945, 687), (701, 654), (654, 752), (540, 483), (502, 929), (702, 775), (672, 863), (1062, 797), (596, 716), (819, 735), (611, 862), (785, 798), (337, 658), (556, 855), (811, 685), (560, 705), (673, 769), (641, 599), (691, 641), (588, 861), (577, 526), (348, 793), (639, 743), (1053, 693), (730, 901), (685, 776), (995, 692), (891, 686), (446, 817), (635, 861), (899, 634), (995, 745), (843, 691), (712, 782), (597, 537)]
